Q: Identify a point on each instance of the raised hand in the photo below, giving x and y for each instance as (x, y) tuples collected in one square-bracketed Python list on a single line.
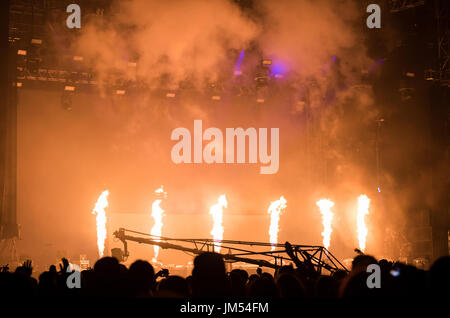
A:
[(28, 269), (64, 266)]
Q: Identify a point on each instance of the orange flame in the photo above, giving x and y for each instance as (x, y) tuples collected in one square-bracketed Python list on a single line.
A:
[(157, 214), (99, 210), (276, 208), (363, 210), (217, 213), (325, 206)]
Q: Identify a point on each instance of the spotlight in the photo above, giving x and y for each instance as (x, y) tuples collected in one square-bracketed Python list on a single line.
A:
[(260, 100), (170, 95), (69, 88), (237, 72), (261, 81), (78, 58), (215, 97), (19, 84), (84, 78), (22, 52), (266, 62), (120, 92), (429, 75)]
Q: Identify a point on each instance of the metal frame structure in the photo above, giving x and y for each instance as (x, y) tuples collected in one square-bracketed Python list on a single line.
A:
[(256, 253), (402, 5), (442, 15), (9, 229)]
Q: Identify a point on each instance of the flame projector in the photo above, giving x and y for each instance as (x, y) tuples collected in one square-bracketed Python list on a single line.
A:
[(275, 210)]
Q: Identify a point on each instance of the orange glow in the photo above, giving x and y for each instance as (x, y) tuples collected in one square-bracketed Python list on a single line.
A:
[(99, 211), (157, 214), (363, 210), (217, 213), (276, 208), (325, 206)]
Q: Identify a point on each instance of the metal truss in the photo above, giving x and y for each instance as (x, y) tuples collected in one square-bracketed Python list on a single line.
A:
[(257, 253), (442, 15), (402, 5)]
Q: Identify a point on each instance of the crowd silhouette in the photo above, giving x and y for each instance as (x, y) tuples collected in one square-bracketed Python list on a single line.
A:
[(109, 278)]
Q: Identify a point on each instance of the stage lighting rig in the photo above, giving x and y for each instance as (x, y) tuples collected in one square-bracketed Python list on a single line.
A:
[(405, 89), (266, 62), (262, 78), (69, 88), (215, 91), (36, 41)]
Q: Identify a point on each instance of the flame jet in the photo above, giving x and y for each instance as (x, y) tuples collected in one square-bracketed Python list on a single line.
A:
[(363, 210), (325, 206), (217, 213), (157, 215), (276, 208), (99, 211)]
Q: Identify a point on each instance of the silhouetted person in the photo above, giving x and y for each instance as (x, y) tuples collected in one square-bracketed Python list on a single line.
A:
[(326, 287), (252, 278), (289, 269), (259, 271), (141, 278), (339, 275), (263, 286), (289, 286), (108, 278), (355, 286), (439, 277), (360, 262), (48, 283), (238, 282), (209, 277), (173, 287)]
